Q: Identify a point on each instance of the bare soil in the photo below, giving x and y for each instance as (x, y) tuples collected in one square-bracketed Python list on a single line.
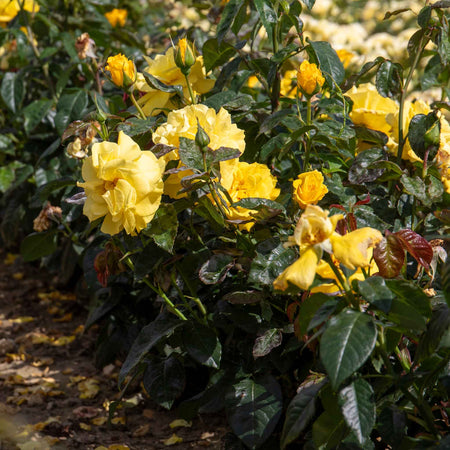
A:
[(53, 397)]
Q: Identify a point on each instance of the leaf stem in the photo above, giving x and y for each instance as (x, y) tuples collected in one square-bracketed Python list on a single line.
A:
[(136, 104)]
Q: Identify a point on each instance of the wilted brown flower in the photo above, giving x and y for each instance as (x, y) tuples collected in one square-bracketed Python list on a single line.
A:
[(47, 214), (85, 46)]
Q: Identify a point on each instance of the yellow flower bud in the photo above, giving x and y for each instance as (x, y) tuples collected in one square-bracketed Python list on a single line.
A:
[(117, 17), (309, 188), (309, 78), (184, 56), (123, 71)]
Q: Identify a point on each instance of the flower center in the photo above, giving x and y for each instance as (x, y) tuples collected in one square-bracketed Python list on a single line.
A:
[(110, 185)]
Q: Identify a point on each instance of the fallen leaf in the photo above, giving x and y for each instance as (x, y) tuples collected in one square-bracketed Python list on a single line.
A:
[(66, 318), (141, 431), (10, 259), (99, 421), (41, 425), (174, 439), (180, 423), (18, 275), (23, 319), (148, 413), (79, 329), (88, 388), (63, 340), (85, 426), (118, 420), (206, 435), (86, 412)]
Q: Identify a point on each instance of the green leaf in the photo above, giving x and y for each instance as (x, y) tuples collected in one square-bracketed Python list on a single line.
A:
[(328, 430), (424, 131), (202, 344), (228, 16), (391, 425), (135, 126), (254, 408), (243, 297), (358, 408), (70, 107), (389, 256), (308, 309), (164, 380), (149, 336), (300, 411), (190, 154), (37, 245), (346, 344), (34, 113), (54, 185), (164, 227), (375, 291), (216, 268), (329, 62), (445, 277), (216, 54), (160, 86), (359, 172), (265, 343), (258, 203), (309, 3), (268, 16), (436, 328), (268, 264), (389, 79), (7, 146), (13, 90)]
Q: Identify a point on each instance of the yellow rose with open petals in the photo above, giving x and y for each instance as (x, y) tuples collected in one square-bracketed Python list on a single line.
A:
[(314, 234), (309, 188), (309, 78), (164, 68), (248, 180), (122, 184), (10, 8), (123, 71), (370, 109), (183, 123), (117, 17)]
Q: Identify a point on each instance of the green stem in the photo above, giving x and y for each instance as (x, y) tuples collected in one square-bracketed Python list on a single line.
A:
[(136, 104), (308, 137), (183, 298), (191, 93), (382, 350), (157, 291), (343, 281)]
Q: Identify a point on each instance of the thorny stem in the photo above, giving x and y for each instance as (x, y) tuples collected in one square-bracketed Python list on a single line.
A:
[(136, 104)]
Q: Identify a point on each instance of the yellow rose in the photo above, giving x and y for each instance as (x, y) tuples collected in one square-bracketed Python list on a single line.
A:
[(10, 8), (443, 155), (315, 233), (117, 17), (309, 78), (122, 184), (288, 84), (345, 56), (309, 188), (184, 123), (164, 68), (248, 180), (370, 109), (123, 71)]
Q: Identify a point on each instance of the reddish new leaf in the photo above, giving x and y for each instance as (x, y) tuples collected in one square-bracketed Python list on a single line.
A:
[(417, 246), (389, 256)]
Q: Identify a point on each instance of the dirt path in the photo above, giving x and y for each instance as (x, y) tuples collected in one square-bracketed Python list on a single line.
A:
[(53, 397)]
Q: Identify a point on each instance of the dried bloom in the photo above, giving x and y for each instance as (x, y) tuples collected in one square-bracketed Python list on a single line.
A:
[(48, 213), (309, 78), (309, 188), (75, 149), (85, 46), (122, 69), (123, 184), (248, 180), (117, 17)]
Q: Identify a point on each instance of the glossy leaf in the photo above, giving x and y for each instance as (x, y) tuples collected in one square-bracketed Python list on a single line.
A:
[(300, 411), (265, 343), (37, 245), (308, 309), (329, 62), (34, 113), (391, 425), (358, 408), (13, 90), (216, 268), (70, 107), (389, 79), (227, 18), (216, 53), (164, 380), (243, 297), (149, 336), (416, 245), (329, 430), (202, 343), (164, 226), (346, 344), (254, 408), (389, 256), (268, 16), (375, 291)]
